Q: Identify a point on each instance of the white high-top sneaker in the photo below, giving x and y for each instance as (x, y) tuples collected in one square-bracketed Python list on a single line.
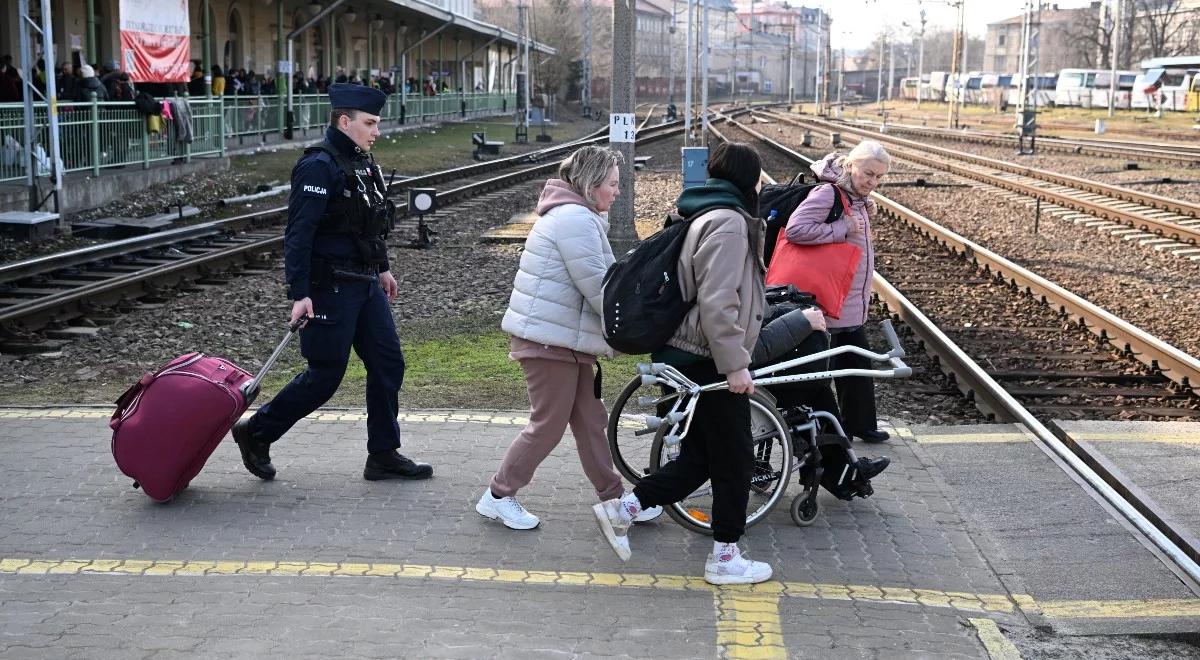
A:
[(727, 565), (508, 510), (646, 515), (614, 521)]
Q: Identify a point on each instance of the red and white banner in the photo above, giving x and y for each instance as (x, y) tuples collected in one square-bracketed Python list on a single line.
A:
[(154, 40)]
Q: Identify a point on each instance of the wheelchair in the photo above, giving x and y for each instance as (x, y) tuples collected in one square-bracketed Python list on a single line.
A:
[(653, 414)]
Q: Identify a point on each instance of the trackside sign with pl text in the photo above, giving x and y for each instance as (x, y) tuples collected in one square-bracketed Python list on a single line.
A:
[(622, 127)]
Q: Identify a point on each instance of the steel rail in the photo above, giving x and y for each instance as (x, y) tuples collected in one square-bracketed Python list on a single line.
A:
[(68, 304), (1175, 364), (53, 262), (989, 395), (1098, 208), (1179, 206), (50, 263), (1104, 148), (992, 399)]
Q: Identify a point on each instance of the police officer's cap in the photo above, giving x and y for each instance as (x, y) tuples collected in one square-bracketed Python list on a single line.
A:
[(346, 96)]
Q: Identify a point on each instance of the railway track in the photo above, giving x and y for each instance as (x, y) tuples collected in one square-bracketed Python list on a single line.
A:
[(1025, 350), (1166, 152), (1005, 121), (50, 299), (1154, 219)]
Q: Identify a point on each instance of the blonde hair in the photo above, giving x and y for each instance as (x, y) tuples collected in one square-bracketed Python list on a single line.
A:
[(862, 152), (587, 168)]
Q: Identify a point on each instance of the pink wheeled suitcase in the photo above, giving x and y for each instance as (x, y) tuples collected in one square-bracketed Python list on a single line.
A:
[(170, 421)]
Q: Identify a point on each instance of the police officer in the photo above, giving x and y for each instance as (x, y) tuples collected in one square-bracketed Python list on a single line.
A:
[(336, 264)]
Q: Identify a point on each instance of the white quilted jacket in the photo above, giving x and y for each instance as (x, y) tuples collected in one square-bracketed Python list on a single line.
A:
[(557, 291)]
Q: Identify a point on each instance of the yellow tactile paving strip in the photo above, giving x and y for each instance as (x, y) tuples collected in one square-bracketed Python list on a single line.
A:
[(748, 623), (1173, 438), (994, 642)]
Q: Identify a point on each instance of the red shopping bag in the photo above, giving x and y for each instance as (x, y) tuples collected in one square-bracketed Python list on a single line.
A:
[(825, 270)]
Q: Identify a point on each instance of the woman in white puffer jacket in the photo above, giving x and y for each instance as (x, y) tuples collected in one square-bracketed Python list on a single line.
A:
[(554, 319)]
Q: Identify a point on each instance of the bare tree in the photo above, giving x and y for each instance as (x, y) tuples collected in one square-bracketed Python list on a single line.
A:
[(555, 23), (1087, 40), (1163, 26)]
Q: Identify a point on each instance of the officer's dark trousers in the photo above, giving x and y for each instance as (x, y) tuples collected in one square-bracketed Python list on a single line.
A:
[(718, 448), (354, 314), (855, 402)]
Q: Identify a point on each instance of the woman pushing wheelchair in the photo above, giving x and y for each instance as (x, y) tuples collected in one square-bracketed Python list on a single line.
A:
[(723, 440)]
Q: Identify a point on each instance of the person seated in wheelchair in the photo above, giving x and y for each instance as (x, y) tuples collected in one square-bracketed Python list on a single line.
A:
[(794, 326)]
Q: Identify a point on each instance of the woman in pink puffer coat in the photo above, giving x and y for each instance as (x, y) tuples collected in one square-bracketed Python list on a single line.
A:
[(857, 173)]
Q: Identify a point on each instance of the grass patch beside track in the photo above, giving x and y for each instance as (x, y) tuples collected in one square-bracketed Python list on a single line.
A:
[(463, 365), (420, 150)]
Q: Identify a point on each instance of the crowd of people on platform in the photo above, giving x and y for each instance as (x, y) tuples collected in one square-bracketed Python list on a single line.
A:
[(73, 82), (81, 82)]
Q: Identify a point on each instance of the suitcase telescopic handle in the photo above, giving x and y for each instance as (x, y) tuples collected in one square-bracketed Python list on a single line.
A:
[(250, 388)]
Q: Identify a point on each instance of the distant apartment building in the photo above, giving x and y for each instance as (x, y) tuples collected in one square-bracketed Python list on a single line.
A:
[(1080, 37), (1059, 45), (764, 28)]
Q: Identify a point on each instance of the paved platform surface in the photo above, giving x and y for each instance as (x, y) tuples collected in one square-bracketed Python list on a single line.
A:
[(320, 563), (1047, 537), (1161, 458)]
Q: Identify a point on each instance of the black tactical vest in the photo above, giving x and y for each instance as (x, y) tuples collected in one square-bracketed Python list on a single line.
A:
[(362, 210)]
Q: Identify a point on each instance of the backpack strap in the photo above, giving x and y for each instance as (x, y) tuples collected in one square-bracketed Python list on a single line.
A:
[(840, 204)]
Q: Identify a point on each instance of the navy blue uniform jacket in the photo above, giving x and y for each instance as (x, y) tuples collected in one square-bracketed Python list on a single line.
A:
[(316, 179)]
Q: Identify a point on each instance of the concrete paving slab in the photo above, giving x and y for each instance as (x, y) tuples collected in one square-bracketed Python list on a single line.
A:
[(1161, 458), (321, 563), (1043, 533)]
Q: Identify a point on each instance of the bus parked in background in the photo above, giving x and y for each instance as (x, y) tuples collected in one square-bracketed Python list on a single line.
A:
[(1167, 83), (1075, 87), (1043, 89), (1125, 86), (936, 90)]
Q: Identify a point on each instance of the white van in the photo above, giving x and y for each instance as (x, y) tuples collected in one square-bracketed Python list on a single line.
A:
[(1042, 87), (1125, 85), (1075, 87), (936, 90)]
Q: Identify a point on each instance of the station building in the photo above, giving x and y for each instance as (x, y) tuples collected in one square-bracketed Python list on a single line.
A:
[(459, 67)]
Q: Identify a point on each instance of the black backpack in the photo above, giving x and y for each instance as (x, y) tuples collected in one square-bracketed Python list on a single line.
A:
[(147, 105), (783, 198), (643, 303)]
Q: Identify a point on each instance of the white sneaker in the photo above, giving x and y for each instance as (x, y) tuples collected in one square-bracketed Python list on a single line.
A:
[(730, 566), (508, 510), (647, 515), (614, 523)]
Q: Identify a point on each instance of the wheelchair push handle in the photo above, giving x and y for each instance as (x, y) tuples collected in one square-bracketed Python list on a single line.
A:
[(895, 350), (653, 369)]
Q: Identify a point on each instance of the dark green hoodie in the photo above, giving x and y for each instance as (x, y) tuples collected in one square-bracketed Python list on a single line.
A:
[(714, 192)]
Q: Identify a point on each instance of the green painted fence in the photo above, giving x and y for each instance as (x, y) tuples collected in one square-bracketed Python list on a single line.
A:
[(99, 135)]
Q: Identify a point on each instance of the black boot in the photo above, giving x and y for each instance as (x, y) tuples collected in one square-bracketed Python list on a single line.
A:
[(869, 468), (394, 465), (873, 436), (256, 454)]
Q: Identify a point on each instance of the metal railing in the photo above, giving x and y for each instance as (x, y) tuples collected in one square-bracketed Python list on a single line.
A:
[(99, 135), (258, 116)]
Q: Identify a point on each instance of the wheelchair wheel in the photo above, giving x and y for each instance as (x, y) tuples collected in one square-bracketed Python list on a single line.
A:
[(772, 467), (628, 438), (805, 509)]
